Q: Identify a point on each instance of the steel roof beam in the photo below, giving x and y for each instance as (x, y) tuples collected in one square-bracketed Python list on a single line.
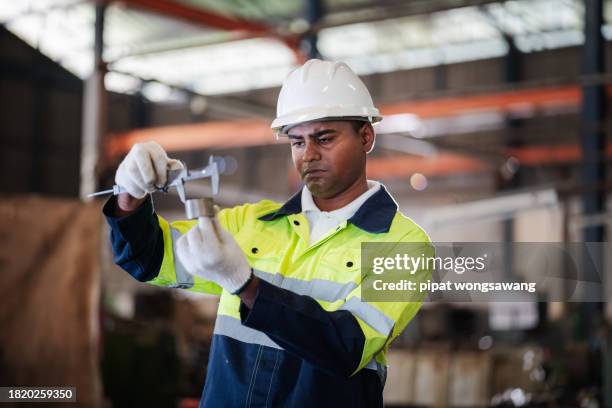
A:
[(210, 19), (198, 16)]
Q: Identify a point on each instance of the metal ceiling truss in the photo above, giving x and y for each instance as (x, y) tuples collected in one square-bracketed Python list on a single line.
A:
[(209, 19)]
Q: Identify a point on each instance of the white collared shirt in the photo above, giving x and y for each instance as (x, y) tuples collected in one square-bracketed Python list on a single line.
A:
[(322, 222)]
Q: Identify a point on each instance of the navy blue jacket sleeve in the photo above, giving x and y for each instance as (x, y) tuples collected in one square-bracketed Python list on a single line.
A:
[(137, 240), (332, 341)]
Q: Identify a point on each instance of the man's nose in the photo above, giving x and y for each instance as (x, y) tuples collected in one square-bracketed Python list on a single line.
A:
[(311, 152)]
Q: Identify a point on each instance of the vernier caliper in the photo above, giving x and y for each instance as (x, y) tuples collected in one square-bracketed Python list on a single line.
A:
[(195, 205)]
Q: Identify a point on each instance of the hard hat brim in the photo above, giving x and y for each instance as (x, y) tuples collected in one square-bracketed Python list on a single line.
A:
[(309, 115)]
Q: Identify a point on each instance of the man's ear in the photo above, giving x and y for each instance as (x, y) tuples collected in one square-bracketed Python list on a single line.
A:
[(368, 137)]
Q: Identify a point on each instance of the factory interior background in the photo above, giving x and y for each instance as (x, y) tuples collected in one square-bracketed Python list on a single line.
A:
[(496, 128)]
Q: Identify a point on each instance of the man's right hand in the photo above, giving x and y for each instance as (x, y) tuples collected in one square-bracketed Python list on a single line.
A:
[(143, 170)]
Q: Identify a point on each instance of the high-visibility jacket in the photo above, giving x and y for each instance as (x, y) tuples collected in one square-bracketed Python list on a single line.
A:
[(309, 339)]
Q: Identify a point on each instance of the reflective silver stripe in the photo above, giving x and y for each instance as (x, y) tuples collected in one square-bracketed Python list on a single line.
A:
[(230, 327), (273, 278), (372, 365), (319, 289), (183, 279), (369, 314)]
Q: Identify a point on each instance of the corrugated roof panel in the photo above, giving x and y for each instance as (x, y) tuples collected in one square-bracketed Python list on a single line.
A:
[(155, 47)]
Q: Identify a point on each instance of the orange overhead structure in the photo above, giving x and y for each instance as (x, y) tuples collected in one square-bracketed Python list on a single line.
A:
[(547, 155), (200, 16), (499, 101), (254, 132), (439, 165), (445, 164), (239, 133), (401, 166)]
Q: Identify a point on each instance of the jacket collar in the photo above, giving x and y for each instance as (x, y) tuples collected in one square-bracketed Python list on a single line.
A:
[(374, 216)]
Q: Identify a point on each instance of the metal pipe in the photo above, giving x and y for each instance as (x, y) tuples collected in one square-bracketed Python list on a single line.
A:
[(94, 112)]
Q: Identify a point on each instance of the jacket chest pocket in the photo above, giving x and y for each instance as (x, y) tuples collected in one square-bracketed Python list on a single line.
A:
[(262, 251), (341, 265)]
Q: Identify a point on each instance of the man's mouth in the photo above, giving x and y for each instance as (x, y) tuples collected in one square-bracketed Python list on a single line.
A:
[(312, 172)]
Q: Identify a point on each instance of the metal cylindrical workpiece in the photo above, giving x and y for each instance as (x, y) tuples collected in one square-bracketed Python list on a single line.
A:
[(199, 207)]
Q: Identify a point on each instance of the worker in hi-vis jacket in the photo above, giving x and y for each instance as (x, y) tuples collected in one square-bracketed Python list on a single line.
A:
[(291, 328)]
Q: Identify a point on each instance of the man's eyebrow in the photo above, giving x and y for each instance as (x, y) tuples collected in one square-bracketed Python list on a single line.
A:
[(315, 134)]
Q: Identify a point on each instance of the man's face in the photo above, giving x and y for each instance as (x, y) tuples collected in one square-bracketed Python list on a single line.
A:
[(330, 155)]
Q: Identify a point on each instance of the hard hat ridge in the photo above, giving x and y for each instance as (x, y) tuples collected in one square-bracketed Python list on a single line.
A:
[(305, 69)]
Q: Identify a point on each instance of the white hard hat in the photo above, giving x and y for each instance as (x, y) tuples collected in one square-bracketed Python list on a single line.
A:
[(321, 90)]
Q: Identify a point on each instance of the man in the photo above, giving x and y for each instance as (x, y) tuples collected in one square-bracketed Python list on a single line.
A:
[(291, 329)]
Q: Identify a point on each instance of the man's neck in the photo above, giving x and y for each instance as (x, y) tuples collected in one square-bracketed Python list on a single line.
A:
[(359, 187)]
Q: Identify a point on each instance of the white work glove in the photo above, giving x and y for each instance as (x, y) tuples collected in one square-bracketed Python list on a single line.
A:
[(144, 169), (210, 252)]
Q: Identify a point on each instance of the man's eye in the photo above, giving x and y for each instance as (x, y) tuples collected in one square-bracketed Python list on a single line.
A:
[(325, 139), (297, 143)]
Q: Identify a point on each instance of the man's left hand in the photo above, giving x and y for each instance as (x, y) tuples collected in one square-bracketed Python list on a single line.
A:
[(210, 252)]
